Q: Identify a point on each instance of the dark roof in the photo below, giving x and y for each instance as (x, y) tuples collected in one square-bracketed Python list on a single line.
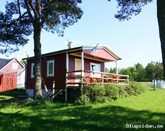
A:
[(76, 49), (4, 62), (58, 52)]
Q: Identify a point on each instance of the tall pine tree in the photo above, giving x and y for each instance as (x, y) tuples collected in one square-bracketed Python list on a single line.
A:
[(134, 7), (21, 18)]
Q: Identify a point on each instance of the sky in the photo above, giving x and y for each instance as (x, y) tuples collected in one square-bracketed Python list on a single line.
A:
[(135, 41)]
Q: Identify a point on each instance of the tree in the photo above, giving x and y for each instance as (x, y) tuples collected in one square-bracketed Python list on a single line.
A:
[(141, 72), (112, 70), (134, 7), (158, 71), (126, 71), (134, 73), (22, 17), (150, 69)]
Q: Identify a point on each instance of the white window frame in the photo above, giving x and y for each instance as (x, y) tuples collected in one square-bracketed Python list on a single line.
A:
[(47, 71), (32, 70), (95, 74)]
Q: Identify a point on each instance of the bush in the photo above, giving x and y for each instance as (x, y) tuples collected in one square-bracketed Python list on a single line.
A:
[(138, 87), (100, 99), (102, 93), (82, 100), (129, 90), (122, 91), (112, 91), (95, 91)]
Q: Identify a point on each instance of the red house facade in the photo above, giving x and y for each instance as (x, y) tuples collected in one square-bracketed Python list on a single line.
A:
[(8, 73), (73, 68)]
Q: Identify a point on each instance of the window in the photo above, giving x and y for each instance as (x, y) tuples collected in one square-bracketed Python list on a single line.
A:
[(95, 69), (32, 70), (50, 68)]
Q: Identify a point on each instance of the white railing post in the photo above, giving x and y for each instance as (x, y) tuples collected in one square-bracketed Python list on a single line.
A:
[(102, 76), (117, 73), (54, 88), (67, 70), (82, 69)]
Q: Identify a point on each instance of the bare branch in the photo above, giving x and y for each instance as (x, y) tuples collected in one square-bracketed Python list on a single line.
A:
[(34, 10), (19, 8), (28, 10)]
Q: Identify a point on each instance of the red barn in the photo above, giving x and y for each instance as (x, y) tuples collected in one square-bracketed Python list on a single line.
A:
[(8, 73), (70, 69)]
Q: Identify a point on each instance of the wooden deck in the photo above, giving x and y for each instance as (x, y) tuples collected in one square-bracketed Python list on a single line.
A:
[(75, 78)]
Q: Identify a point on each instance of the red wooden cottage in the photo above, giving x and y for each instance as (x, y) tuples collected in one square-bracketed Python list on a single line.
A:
[(9, 69), (68, 70)]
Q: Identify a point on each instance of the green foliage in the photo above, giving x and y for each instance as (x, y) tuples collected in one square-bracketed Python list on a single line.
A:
[(98, 93), (122, 91), (139, 73), (95, 91), (83, 100), (128, 8), (112, 91), (139, 88), (129, 90), (112, 70), (100, 99), (158, 71), (18, 18), (150, 69), (131, 71)]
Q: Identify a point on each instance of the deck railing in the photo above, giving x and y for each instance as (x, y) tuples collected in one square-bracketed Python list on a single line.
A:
[(91, 77)]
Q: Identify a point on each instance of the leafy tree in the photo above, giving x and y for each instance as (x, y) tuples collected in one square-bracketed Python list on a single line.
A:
[(126, 71), (141, 72), (131, 71), (112, 70), (134, 7), (158, 71), (150, 69), (21, 18), (134, 73)]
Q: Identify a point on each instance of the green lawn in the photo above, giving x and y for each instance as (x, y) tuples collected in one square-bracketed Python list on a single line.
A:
[(146, 110)]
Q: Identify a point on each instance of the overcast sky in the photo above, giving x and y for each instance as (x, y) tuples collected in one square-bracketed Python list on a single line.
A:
[(136, 40)]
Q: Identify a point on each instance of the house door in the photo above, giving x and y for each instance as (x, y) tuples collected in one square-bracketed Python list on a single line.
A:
[(77, 64), (77, 68)]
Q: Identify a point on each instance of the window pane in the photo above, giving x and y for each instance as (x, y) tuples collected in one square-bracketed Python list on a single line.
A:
[(96, 69), (32, 70), (51, 68)]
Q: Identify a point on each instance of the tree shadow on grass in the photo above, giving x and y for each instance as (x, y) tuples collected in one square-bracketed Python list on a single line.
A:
[(78, 118), (14, 92), (16, 95)]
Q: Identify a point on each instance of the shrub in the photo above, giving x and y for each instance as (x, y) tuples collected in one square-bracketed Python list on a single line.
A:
[(138, 87), (122, 91), (112, 91), (129, 90), (93, 91), (82, 100), (102, 93), (100, 99)]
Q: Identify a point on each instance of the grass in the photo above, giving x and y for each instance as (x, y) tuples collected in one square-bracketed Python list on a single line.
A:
[(146, 110)]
